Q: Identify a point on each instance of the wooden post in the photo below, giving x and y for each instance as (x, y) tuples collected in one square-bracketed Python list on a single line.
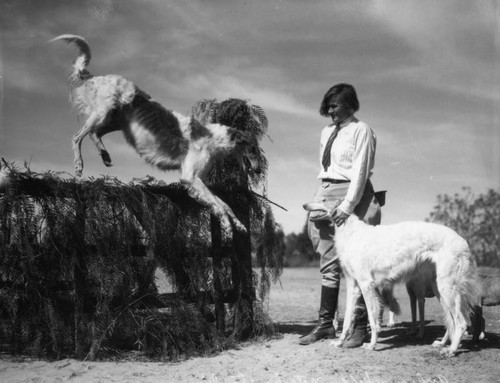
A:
[(217, 254), (243, 257), (79, 275)]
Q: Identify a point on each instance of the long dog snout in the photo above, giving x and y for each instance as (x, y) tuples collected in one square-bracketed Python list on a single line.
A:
[(318, 211)]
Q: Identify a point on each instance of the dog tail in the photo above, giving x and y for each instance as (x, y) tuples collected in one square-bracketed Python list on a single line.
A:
[(392, 303), (386, 294), (80, 71), (469, 288), (459, 287)]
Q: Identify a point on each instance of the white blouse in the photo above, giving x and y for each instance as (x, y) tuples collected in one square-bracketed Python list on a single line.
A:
[(352, 158)]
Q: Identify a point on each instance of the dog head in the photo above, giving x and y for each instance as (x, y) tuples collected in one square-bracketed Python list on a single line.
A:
[(321, 211), (246, 150)]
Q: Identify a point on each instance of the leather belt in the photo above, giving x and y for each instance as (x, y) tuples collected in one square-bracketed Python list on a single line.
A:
[(334, 181)]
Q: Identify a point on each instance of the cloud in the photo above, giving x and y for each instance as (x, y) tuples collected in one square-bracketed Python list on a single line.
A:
[(225, 86), (455, 43)]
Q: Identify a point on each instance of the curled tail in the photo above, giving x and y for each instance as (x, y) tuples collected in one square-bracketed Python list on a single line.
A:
[(80, 71)]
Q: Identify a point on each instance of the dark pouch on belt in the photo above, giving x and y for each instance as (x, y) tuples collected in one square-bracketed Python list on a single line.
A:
[(380, 196)]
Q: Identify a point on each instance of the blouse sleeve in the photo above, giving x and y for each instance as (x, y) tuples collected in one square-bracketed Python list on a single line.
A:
[(363, 162)]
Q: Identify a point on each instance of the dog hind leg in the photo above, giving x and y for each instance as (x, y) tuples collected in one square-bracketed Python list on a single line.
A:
[(413, 307), (448, 304), (421, 311), (460, 326), (106, 159), (92, 122), (446, 337)]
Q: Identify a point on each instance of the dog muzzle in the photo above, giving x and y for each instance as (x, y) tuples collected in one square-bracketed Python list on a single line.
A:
[(318, 211)]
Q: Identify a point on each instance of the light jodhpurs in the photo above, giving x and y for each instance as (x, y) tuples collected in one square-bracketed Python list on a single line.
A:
[(321, 233)]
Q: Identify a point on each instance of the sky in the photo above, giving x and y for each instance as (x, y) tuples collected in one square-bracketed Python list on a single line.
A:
[(426, 73)]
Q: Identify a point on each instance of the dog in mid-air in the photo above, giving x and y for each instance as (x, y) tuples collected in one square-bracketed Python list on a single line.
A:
[(164, 138), (374, 258)]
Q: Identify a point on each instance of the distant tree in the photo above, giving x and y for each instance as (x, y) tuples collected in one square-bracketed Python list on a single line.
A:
[(476, 218), (299, 251)]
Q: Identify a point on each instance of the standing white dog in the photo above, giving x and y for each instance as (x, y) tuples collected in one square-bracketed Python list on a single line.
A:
[(374, 258)]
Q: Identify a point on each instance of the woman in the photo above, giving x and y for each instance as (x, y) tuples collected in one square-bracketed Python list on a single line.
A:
[(347, 156)]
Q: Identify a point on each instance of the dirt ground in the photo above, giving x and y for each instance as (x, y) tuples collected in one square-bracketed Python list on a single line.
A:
[(293, 305)]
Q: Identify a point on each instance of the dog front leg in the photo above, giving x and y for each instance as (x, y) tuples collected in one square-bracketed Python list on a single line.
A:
[(372, 308), (392, 321), (352, 293), (198, 191)]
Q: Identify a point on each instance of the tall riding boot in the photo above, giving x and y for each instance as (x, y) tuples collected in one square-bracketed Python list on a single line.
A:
[(325, 328), (358, 333)]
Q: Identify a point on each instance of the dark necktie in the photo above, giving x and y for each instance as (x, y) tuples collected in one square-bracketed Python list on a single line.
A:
[(326, 160)]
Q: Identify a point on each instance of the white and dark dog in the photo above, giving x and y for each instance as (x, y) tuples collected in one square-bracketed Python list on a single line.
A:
[(374, 258), (164, 138)]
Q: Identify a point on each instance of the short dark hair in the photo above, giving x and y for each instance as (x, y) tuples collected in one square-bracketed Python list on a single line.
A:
[(347, 94)]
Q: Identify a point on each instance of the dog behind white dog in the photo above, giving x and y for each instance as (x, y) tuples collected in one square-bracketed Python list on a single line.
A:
[(490, 296), (374, 258)]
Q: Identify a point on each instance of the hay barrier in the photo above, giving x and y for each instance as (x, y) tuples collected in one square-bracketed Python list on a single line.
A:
[(78, 262)]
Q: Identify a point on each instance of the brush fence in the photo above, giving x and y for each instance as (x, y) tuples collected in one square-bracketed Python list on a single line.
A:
[(78, 263)]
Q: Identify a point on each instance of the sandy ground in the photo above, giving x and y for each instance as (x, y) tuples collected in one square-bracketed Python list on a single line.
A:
[(293, 305)]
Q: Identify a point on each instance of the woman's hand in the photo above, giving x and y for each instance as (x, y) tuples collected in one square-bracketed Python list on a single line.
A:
[(339, 217)]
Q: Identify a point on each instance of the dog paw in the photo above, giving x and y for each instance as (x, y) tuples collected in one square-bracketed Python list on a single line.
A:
[(239, 226), (106, 158), (437, 343), (78, 168), (391, 324), (336, 343), (447, 352), (369, 346)]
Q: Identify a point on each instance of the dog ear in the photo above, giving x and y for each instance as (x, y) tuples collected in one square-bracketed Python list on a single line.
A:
[(5, 175), (234, 134), (238, 136), (320, 211)]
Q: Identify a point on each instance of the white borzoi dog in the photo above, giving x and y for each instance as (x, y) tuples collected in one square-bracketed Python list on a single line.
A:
[(164, 138), (374, 258)]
